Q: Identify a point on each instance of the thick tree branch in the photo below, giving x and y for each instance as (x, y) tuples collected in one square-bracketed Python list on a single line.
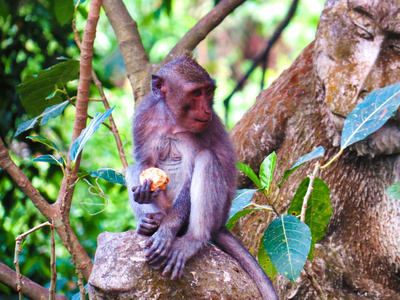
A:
[(137, 63), (30, 289), (198, 33)]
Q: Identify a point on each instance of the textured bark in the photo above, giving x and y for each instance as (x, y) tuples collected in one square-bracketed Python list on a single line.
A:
[(120, 272), (359, 258)]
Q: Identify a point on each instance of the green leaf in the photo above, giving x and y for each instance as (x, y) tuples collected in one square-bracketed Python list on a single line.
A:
[(319, 209), (233, 220), (316, 153), (44, 141), (64, 11), (86, 133), (267, 170), (371, 114), (250, 173), (49, 159), (110, 175), (49, 113), (241, 200), (35, 89), (265, 262), (394, 191), (287, 242), (83, 174)]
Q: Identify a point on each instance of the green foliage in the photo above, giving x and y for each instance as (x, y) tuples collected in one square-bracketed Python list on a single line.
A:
[(49, 159), (49, 113), (287, 242), (316, 153), (319, 209), (266, 171), (86, 133), (394, 191), (250, 173), (64, 11), (265, 261), (371, 114), (44, 141), (34, 90), (109, 175)]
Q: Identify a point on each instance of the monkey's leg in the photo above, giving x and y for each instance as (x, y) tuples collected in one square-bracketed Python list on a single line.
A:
[(227, 242), (160, 242)]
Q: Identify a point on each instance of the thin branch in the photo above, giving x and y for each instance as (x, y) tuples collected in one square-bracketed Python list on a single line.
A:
[(198, 33), (310, 273), (30, 289), (308, 193), (18, 250), (137, 62), (263, 56), (99, 86), (53, 277)]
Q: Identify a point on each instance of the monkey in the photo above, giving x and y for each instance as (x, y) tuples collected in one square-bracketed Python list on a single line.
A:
[(176, 129)]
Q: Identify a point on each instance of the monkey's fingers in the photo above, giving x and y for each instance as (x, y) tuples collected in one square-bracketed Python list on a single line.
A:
[(153, 255), (146, 228), (171, 263), (179, 266), (149, 219), (155, 193), (134, 188)]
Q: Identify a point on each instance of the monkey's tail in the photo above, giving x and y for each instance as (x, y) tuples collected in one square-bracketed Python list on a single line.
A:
[(227, 243)]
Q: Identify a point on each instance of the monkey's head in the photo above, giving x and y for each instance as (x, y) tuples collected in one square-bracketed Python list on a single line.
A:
[(188, 91)]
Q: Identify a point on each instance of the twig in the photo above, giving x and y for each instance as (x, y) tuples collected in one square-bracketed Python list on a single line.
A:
[(263, 56), (18, 250), (271, 204), (103, 99), (81, 284), (310, 273), (30, 289), (53, 277), (195, 35), (308, 193)]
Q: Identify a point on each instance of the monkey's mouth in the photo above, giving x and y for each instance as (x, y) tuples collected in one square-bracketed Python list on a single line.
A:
[(202, 121)]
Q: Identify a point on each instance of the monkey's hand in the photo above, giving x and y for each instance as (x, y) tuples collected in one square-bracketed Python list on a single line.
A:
[(149, 224), (181, 251), (142, 194), (159, 245)]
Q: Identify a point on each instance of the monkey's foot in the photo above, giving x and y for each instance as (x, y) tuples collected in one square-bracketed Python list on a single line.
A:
[(159, 245), (181, 251)]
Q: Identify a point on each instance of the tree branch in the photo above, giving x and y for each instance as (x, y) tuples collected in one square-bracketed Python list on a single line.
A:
[(29, 288), (263, 56), (137, 62), (195, 35)]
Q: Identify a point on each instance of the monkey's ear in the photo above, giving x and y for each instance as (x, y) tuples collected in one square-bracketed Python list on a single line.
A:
[(158, 86)]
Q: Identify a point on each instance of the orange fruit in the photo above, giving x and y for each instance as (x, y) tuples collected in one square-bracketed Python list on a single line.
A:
[(159, 177)]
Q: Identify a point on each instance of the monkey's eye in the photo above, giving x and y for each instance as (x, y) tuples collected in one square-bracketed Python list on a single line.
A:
[(395, 48), (209, 91), (197, 92)]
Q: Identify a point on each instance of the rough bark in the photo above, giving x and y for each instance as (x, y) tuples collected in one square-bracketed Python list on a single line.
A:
[(120, 272), (359, 258)]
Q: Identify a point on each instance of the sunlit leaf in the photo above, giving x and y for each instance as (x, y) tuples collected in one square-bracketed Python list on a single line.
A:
[(233, 220), (64, 11), (86, 133), (49, 159), (108, 174), (241, 200), (319, 209), (287, 242), (316, 153), (44, 141), (265, 262), (35, 89), (250, 173), (394, 191), (371, 114), (49, 113), (266, 171)]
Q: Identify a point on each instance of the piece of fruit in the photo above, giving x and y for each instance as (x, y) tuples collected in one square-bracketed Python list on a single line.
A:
[(159, 177)]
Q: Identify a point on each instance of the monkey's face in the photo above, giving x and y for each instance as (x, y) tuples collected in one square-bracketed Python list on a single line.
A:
[(191, 105), (357, 50)]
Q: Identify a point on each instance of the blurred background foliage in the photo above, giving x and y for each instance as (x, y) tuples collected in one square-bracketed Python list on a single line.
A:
[(34, 33)]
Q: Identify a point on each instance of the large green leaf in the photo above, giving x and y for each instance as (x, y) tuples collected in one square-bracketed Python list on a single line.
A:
[(44, 141), (34, 90), (371, 114), (110, 175), (241, 200), (394, 191), (287, 242), (265, 262), (266, 171), (250, 173), (64, 11), (49, 159), (319, 209), (86, 133), (316, 153), (49, 113)]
